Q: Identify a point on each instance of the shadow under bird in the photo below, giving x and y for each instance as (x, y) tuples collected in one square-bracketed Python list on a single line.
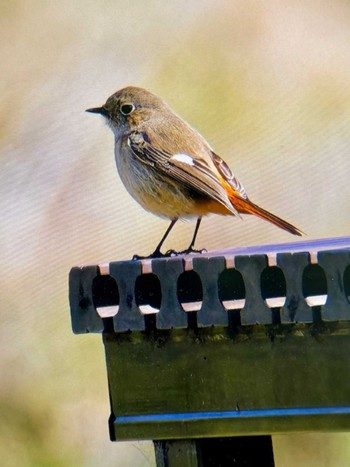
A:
[(169, 168)]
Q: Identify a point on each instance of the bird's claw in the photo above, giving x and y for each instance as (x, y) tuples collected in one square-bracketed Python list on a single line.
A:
[(190, 250), (156, 254), (169, 254)]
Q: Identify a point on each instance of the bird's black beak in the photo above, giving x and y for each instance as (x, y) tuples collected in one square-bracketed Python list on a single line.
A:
[(99, 110)]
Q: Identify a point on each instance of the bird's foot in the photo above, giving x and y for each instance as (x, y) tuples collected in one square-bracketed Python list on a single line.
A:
[(169, 254), (154, 255), (189, 250)]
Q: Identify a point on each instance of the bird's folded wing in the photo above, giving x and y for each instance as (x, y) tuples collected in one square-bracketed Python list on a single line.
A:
[(194, 172)]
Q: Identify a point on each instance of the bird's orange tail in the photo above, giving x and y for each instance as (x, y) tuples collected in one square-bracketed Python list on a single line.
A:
[(245, 206)]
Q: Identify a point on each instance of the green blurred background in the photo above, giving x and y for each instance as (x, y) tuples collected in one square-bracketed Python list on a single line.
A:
[(267, 83)]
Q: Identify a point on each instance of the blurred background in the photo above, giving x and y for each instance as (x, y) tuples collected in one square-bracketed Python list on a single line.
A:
[(267, 83)]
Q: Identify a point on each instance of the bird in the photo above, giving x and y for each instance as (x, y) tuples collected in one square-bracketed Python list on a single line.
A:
[(170, 169)]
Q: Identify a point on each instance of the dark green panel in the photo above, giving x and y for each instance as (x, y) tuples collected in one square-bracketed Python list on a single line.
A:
[(261, 368)]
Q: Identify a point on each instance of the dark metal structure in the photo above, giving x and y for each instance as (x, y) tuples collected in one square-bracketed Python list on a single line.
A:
[(209, 355)]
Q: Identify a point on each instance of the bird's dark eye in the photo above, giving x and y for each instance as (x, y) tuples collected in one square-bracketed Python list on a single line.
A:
[(126, 109)]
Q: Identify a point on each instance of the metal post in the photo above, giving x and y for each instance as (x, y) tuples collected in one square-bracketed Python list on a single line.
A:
[(240, 451)]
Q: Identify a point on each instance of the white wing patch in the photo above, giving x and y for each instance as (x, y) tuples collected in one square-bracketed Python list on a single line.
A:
[(184, 158)]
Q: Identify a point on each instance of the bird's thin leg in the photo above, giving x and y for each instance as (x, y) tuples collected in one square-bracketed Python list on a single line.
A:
[(198, 223), (191, 249), (160, 244), (157, 253)]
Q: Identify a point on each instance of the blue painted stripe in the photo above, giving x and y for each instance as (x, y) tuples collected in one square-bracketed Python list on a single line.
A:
[(238, 414)]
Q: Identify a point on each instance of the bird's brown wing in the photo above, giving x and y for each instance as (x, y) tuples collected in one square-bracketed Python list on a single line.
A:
[(195, 172)]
